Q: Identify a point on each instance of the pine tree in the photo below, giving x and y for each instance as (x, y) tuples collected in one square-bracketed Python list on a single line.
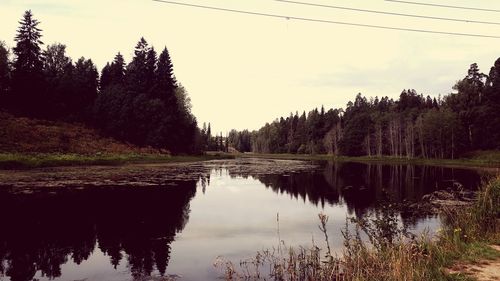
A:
[(27, 77)]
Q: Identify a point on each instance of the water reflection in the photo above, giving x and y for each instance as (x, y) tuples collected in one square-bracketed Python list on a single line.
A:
[(45, 228), (362, 186)]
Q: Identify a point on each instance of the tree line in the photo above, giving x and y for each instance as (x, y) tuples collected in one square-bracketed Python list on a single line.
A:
[(140, 102), (411, 126)]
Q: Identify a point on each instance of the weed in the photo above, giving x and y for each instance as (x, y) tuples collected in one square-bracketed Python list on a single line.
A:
[(390, 252)]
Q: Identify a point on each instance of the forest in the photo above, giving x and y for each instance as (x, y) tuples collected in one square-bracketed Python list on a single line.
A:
[(411, 126), (142, 103)]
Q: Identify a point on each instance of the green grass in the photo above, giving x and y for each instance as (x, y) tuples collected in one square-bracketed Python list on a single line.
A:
[(473, 159), (38, 160)]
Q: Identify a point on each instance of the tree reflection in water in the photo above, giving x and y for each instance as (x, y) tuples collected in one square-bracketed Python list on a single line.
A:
[(361, 186), (45, 229)]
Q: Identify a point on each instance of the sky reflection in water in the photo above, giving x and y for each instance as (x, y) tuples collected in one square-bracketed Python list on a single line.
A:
[(180, 227)]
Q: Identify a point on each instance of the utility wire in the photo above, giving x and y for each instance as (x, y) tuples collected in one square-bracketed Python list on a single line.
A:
[(387, 13), (326, 21), (445, 6)]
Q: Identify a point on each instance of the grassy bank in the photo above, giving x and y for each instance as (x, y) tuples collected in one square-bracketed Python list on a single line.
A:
[(475, 159), (389, 253), (27, 143), (38, 160)]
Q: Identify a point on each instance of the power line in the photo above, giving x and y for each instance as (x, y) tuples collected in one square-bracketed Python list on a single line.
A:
[(387, 13), (445, 6), (326, 21)]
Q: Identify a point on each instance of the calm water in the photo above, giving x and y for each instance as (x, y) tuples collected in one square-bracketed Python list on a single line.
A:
[(116, 224)]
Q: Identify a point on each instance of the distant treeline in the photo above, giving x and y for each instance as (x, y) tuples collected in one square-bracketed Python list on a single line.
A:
[(412, 126), (140, 102)]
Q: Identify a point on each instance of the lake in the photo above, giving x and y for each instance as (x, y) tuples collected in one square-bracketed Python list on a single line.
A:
[(142, 222)]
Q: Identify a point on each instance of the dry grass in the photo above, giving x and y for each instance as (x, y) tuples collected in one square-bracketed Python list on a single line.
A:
[(389, 253), (24, 135)]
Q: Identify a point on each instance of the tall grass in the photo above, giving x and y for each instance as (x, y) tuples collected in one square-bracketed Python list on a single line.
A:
[(466, 232), (390, 252)]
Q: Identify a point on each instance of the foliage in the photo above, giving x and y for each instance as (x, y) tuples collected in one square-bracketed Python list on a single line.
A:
[(144, 104), (484, 214), (141, 103), (412, 126), (31, 143), (241, 141), (4, 71)]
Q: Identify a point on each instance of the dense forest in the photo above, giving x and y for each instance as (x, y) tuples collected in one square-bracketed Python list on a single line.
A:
[(412, 126), (140, 102)]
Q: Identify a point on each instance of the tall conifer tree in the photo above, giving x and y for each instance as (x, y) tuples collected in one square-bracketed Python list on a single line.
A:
[(165, 78), (28, 97)]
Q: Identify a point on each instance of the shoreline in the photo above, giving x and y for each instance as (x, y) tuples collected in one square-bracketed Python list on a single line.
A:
[(21, 161), (24, 161), (459, 163)]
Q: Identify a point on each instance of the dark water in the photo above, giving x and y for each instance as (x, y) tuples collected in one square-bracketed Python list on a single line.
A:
[(177, 227)]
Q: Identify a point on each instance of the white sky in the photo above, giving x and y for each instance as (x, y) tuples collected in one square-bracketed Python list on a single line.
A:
[(242, 71)]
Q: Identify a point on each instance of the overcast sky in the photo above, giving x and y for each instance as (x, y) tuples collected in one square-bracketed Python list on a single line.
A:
[(242, 71)]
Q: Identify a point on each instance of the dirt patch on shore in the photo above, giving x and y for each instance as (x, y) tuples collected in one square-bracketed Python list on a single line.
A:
[(483, 270)]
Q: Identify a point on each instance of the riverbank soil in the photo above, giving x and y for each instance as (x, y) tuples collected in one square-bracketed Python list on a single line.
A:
[(482, 270)]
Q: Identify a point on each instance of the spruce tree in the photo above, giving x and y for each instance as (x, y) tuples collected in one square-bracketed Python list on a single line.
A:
[(117, 69), (209, 137), (114, 73), (105, 79), (136, 70), (27, 76), (165, 79), (150, 67)]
